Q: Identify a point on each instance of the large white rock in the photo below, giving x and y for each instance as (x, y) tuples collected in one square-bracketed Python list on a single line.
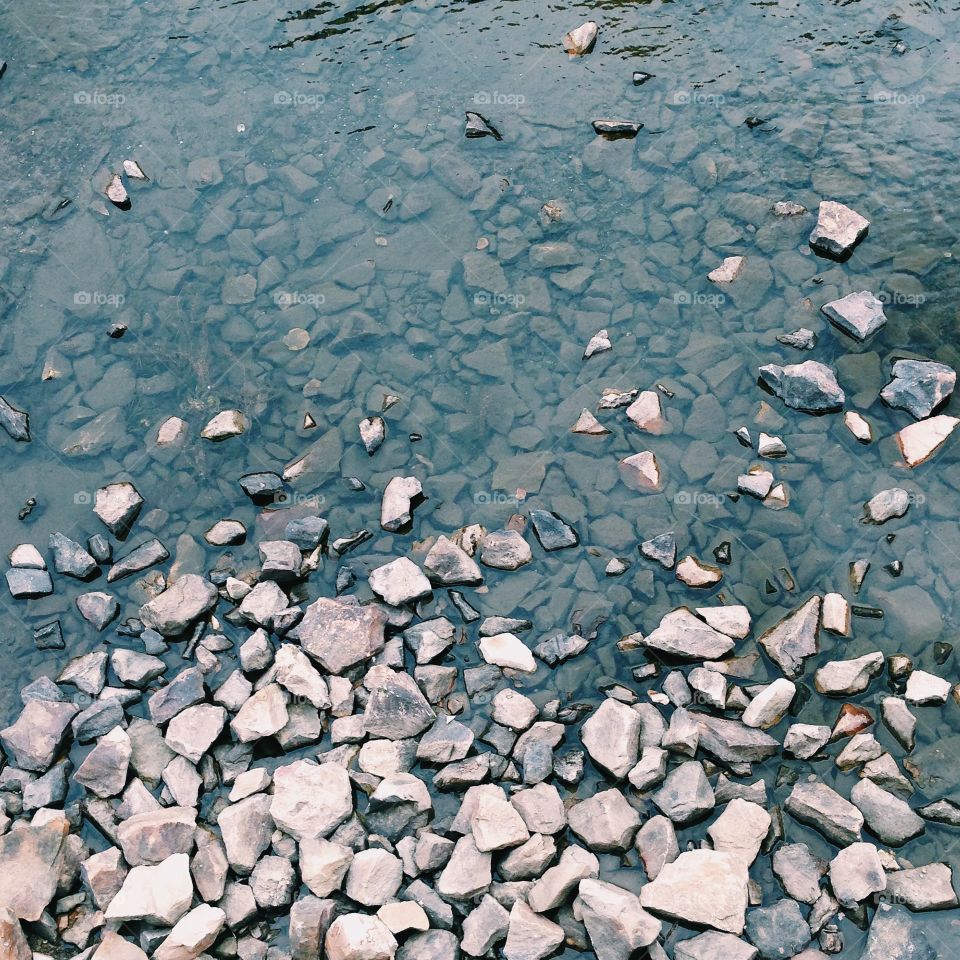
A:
[(740, 830), (530, 936), (159, 895), (770, 705), (616, 923), (192, 934), (921, 440), (702, 888), (508, 650), (355, 936), (612, 737), (310, 799)]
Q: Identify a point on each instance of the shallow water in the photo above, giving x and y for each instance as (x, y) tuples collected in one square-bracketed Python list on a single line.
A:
[(321, 151)]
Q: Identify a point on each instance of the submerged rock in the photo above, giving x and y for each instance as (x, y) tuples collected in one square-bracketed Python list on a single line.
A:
[(886, 505), (479, 126), (682, 634), (14, 421), (858, 314), (399, 498), (794, 639), (809, 386), (552, 531), (920, 441), (117, 505), (616, 129), (662, 549), (373, 432), (728, 271), (918, 386)]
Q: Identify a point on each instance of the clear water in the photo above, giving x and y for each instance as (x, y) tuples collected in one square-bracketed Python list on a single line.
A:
[(311, 121)]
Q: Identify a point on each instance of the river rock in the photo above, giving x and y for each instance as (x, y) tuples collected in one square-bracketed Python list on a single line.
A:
[(918, 386), (186, 600), (158, 894), (839, 229), (529, 935), (399, 497), (552, 531), (887, 816), (741, 829), (616, 923), (923, 888), (605, 822), (887, 505), (895, 935), (662, 549), (227, 423), (845, 677), (400, 581), (920, 441), (810, 387), (70, 558), (340, 635), (446, 563), (396, 708), (728, 271), (504, 550), (799, 871), (309, 799), (715, 946), (37, 735), (770, 705), (682, 634), (612, 737), (580, 40), (826, 811), (33, 857), (356, 936), (858, 314), (778, 930), (856, 873), (686, 795), (118, 506), (374, 877), (733, 742), (794, 639)]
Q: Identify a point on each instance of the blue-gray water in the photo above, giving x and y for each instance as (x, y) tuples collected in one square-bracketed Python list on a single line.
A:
[(274, 141)]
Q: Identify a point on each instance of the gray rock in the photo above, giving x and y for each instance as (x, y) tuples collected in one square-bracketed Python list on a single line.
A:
[(561, 647), (856, 873), (682, 634), (810, 387), (263, 715), (192, 732), (87, 673), (265, 605), (246, 828), (99, 718), (373, 431), (799, 339), (118, 506), (529, 935), (135, 669), (396, 709), (153, 836), (310, 919), (296, 674), (400, 581), (616, 923), (399, 497), (484, 927), (657, 845), (741, 829), (826, 811), (923, 888), (209, 866), (430, 945), (273, 882), (662, 549), (188, 599), (71, 558), (139, 558), (887, 505), (280, 561), (14, 421), (374, 877), (552, 531), (103, 874), (778, 930), (504, 550), (919, 386), (324, 864), (839, 229), (770, 705), (356, 936), (104, 770), (733, 742), (715, 946), (446, 563), (794, 639), (895, 935), (611, 736), (37, 735), (446, 741), (799, 871), (605, 822), (36, 854), (339, 635), (97, 608), (847, 677), (804, 740), (184, 690), (858, 314), (686, 794), (27, 584), (887, 816), (467, 873)]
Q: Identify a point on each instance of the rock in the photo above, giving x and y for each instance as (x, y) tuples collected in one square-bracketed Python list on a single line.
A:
[(839, 229), (496, 825), (504, 550), (35, 853), (246, 828), (925, 688), (695, 573), (227, 423), (273, 882), (323, 865), (686, 795), (529, 935), (858, 425), (396, 708), (479, 126), (646, 413), (923, 888), (728, 271), (887, 505), (856, 873), (681, 634), (98, 609), (657, 845), (732, 742), (193, 731), (37, 735), (103, 875), (116, 192), (512, 709), (701, 888), (158, 894), (13, 943), (715, 946), (888, 817), (114, 947), (641, 472), (14, 421), (794, 638), (139, 558), (339, 635), (70, 558), (118, 506), (599, 343), (581, 40), (373, 431), (104, 770), (185, 601), (589, 425), (757, 483), (193, 934), (810, 387), (778, 930), (899, 721), (918, 386), (310, 918), (662, 549), (616, 923), (799, 871), (185, 689), (740, 830), (799, 339), (467, 873), (484, 927), (374, 877), (400, 581), (826, 811), (399, 497), (611, 736), (895, 935), (310, 800), (446, 564), (858, 314), (401, 916), (835, 615), (552, 531), (28, 584), (262, 715), (770, 706), (920, 441), (356, 936), (155, 835), (845, 677), (605, 822), (649, 770), (507, 650)]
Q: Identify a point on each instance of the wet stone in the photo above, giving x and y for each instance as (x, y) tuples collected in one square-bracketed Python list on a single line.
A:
[(795, 638), (400, 581), (918, 386), (399, 497), (810, 387), (446, 563), (580, 40), (552, 532), (799, 339), (778, 930), (340, 635), (262, 487), (681, 634), (373, 432), (920, 441), (27, 584), (825, 810), (118, 506), (860, 315), (70, 558), (839, 229), (662, 549), (396, 708), (504, 550), (98, 609), (686, 795), (170, 613), (145, 555), (887, 505), (15, 422)]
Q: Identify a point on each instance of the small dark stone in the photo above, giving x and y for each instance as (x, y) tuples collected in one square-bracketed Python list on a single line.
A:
[(552, 531), (131, 627), (70, 558), (941, 652), (894, 568), (346, 578), (467, 613), (25, 584), (416, 437), (355, 484), (479, 126), (146, 555), (100, 548), (345, 544), (871, 613), (14, 421), (261, 487), (153, 642), (722, 553), (754, 122), (640, 77), (307, 532), (27, 508), (116, 330)]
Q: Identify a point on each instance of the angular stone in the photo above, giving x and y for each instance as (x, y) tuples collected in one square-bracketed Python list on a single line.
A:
[(918, 386), (323, 865), (732, 742), (641, 472), (186, 600), (605, 822), (796, 637), (552, 531), (611, 736), (715, 946), (400, 581), (158, 894), (504, 550), (118, 506), (887, 505), (581, 40), (193, 731), (396, 709), (35, 738), (887, 816), (646, 412), (246, 828), (741, 829), (920, 441), (728, 271), (810, 387), (686, 794), (778, 930), (845, 677), (895, 935), (770, 705), (507, 650), (799, 871), (104, 770), (496, 825), (340, 635), (681, 634), (616, 923), (662, 549), (309, 799), (858, 314), (484, 927), (467, 873), (263, 715), (70, 558), (193, 934), (839, 229), (657, 845), (530, 936), (856, 873), (356, 936), (36, 854), (446, 563), (374, 877), (826, 811), (399, 497), (923, 888)]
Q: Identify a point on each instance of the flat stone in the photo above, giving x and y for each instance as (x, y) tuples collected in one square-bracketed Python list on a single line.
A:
[(605, 822), (402, 916), (856, 873), (741, 829), (356, 936), (158, 894), (616, 923), (396, 708), (860, 315), (186, 600), (799, 871), (733, 742), (340, 635), (681, 634), (611, 736), (552, 531), (297, 675), (70, 558), (822, 808), (507, 650), (701, 888), (35, 738), (262, 715), (400, 581), (920, 441), (715, 946), (895, 935), (588, 425), (185, 689), (227, 423), (728, 271), (810, 387), (26, 584), (923, 888), (925, 689), (641, 472), (104, 770), (446, 563), (778, 930), (847, 677), (118, 506), (732, 620), (839, 229), (887, 505), (686, 795), (504, 550), (770, 705), (918, 386), (396, 507), (374, 877), (887, 816), (139, 558), (153, 836), (696, 573)]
